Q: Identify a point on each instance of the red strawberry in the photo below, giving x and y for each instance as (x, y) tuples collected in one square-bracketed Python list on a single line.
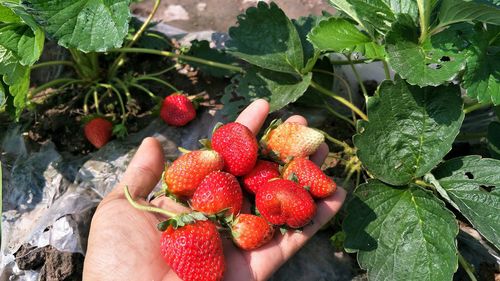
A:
[(218, 191), (310, 176), (98, 131), (186, 173), (285, 202), (251, 232), (194, 251), (287, 140), (177, 110), (260, 174), (238, 146)]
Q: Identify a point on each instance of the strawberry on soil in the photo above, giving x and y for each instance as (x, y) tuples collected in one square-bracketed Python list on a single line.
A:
[(98, 131)]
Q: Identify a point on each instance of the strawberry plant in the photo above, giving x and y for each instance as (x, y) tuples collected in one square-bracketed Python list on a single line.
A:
[(440, 59)]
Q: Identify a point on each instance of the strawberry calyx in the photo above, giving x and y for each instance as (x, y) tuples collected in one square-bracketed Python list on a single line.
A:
[(181, 220), (87, 118)]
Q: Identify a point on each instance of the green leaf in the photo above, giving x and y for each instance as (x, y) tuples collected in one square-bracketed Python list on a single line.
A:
[(437, 60), (279, 89), (304, 25), (20, 42), (88, 25), (340, 35), (201, 49), (482, 74), (7, 15), (371, 15), (494, 139), (473, 185), (401, 233), (267, 38), (454, 11), (410, 130), (3, 94)]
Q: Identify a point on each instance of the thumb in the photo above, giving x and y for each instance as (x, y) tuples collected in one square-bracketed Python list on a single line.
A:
[(144, 171)]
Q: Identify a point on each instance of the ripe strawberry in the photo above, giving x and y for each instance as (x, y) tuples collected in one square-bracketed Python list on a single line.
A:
[(177, 110), (310, 176), (194, 251), (186, 172), (285, 202), (238, 146), (218, 191), (283, 141), (251, 232), (98, 131), (260, 174)]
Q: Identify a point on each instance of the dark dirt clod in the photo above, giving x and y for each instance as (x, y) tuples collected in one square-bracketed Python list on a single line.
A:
[(56, 265)]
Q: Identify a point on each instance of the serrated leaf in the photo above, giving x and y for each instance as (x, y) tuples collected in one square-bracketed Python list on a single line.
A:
[(18, 88), (437, 60), (482, 74), (201, 49), (473, 185), (340, 35), (267, 38), (20, 42), (454, 11), (88, 25), (494, 139), (279, 89), (3, 95), (401, 233), (371, 15), (410, 130)]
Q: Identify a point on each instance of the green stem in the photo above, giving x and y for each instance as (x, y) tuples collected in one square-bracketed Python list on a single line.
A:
[(86, 100), (96, 101), (54, 83), (146, 208), (424, 184), (124, 88), (174, 55), (467, 267), (144, 89), (120, 100), (339, 99), (358, 77), (52, 63), (343, 144), (476, 106), (386, 70), (163, 71), (346, 62), (118, 62), (159, 81), (338, 115), (424, 12), (347, 88)]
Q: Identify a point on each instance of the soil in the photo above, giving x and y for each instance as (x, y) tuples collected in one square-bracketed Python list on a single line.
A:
[(55, 265), (193, 15)]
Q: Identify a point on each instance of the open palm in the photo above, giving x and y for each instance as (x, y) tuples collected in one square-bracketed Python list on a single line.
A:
[(124, 242)]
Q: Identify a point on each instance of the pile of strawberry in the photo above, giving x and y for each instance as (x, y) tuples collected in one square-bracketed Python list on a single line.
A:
[(282, 184)]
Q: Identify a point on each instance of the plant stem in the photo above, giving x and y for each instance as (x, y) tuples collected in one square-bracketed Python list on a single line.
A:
[(96, 101), (124, 88), (346, 62), (339, 99), (118, 62), (386, 70), (146, 208), (424, 12), (86, 99), (476, 106), (347, 88), (174, 55), (163, 71), (343, 144), (424, 184), (52, 63), (120, 100), (54, 83), (159, 81), (144, 89), (467, 267), (358, 77), (338, 115)]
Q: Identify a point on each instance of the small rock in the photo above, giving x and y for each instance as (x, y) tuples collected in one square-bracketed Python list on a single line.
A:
[(175, 12)]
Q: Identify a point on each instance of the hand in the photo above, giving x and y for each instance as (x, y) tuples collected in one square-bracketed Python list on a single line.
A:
[(124, 242)]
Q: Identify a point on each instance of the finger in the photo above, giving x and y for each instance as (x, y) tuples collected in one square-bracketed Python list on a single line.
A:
[(297, 119), (254, 115), (320, 155), (144, 171)]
